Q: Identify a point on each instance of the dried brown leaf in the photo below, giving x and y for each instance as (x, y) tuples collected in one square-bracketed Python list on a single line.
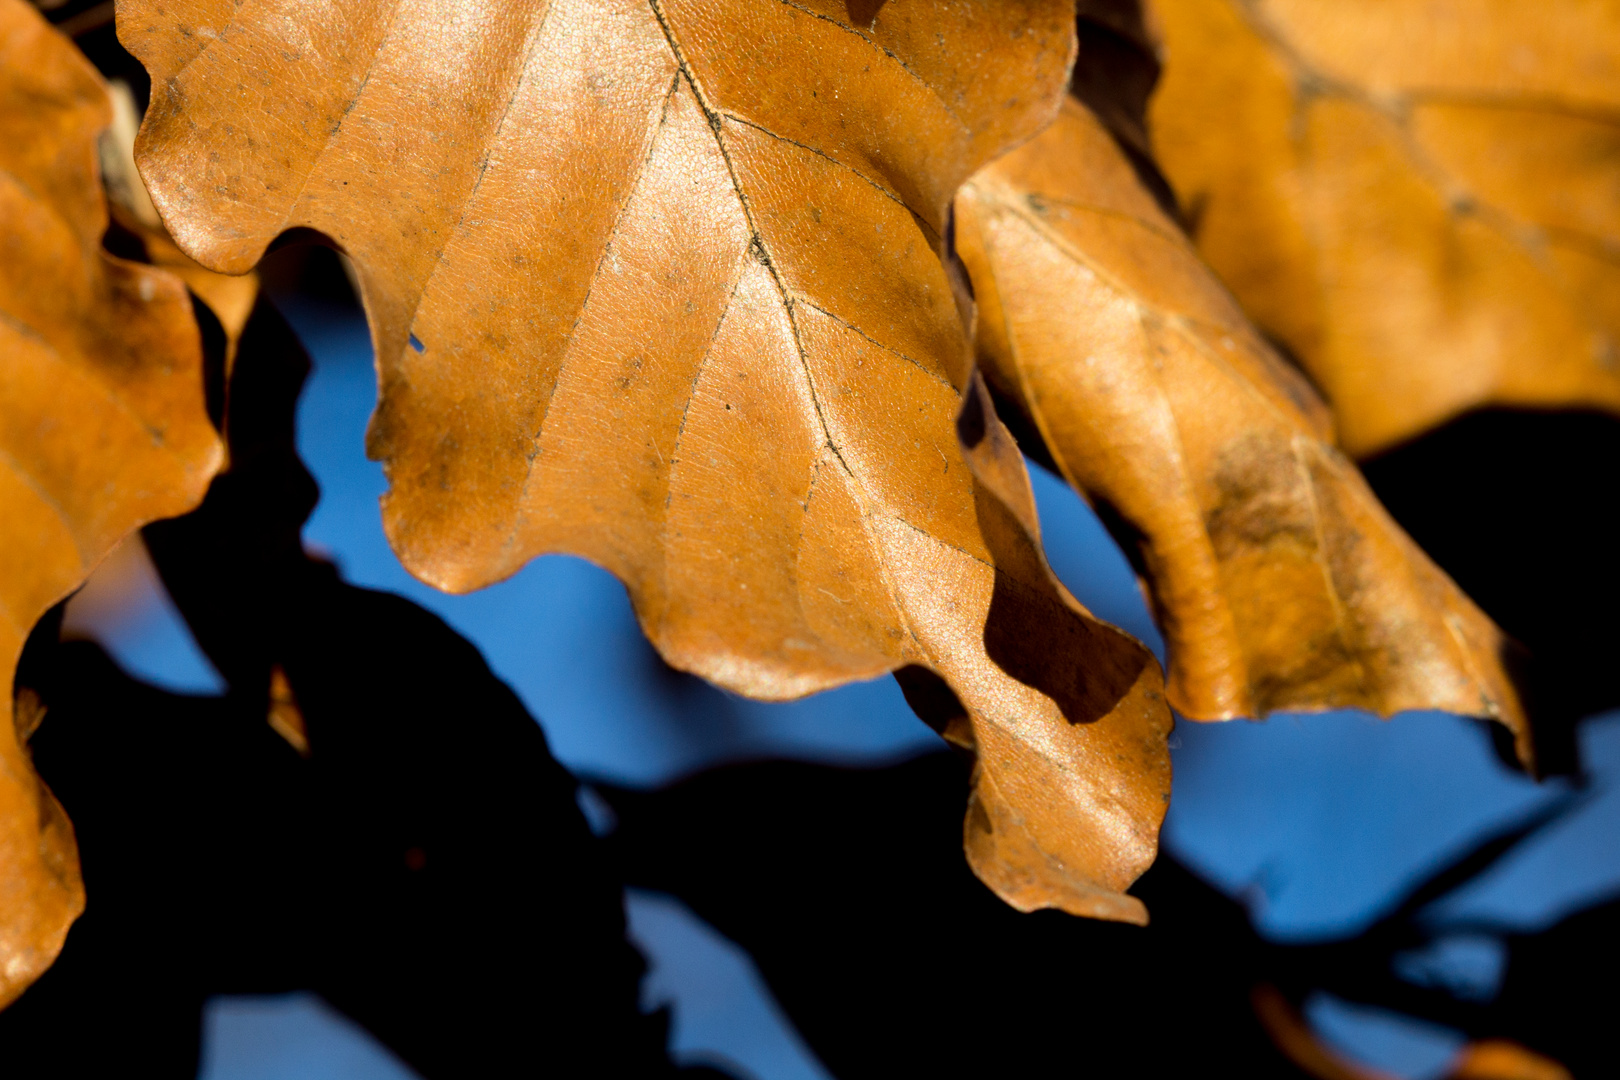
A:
[(658, 284), (1421, 198), (1278, 579), (1499, 1059), (230, 298), (102, 428)]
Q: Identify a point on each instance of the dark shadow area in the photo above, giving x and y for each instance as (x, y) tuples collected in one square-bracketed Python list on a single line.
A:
[(849, 888), (302, 263), (1559, 991), (90, 24), (1517, 507), (1556, 992), (1114, 76), (368, 813)]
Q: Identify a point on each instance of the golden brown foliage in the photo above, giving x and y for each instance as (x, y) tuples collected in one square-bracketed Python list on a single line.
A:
[(1499, 1059), (639, 298), (1420, 198), (1279, 580), (102, 428), (230, 298)]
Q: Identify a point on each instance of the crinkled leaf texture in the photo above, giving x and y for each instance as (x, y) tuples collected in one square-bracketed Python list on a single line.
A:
[(1280, 581), (657, 283), (102, 428), (1421, 198)]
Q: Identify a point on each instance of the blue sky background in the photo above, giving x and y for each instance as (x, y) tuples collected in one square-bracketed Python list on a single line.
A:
[(1314, 822)]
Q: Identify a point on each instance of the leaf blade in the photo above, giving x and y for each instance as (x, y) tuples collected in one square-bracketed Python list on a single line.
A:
[(1280, 582), (1416, 198), (102, 428), (683, 319)]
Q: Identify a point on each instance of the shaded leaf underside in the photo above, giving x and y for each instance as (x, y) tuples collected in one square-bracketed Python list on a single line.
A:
[(1280, 582)]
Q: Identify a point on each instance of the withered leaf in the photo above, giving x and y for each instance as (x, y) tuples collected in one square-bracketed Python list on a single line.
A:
[(1279, 580), (658, 284), (1420, 198), (229, 297), (1500, 1059), (102, 428)]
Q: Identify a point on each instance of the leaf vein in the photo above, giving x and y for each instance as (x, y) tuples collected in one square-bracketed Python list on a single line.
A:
[(21, 471), (893, 56), (584, 307), (100, 386), (758, 241), (846, 324), (842, 164)]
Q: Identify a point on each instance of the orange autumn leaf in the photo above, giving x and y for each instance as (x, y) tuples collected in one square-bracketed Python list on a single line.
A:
[(638, 297), (1421, 199), (102, 428), (1280, 582), (1500, 1059), (229, 298)]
